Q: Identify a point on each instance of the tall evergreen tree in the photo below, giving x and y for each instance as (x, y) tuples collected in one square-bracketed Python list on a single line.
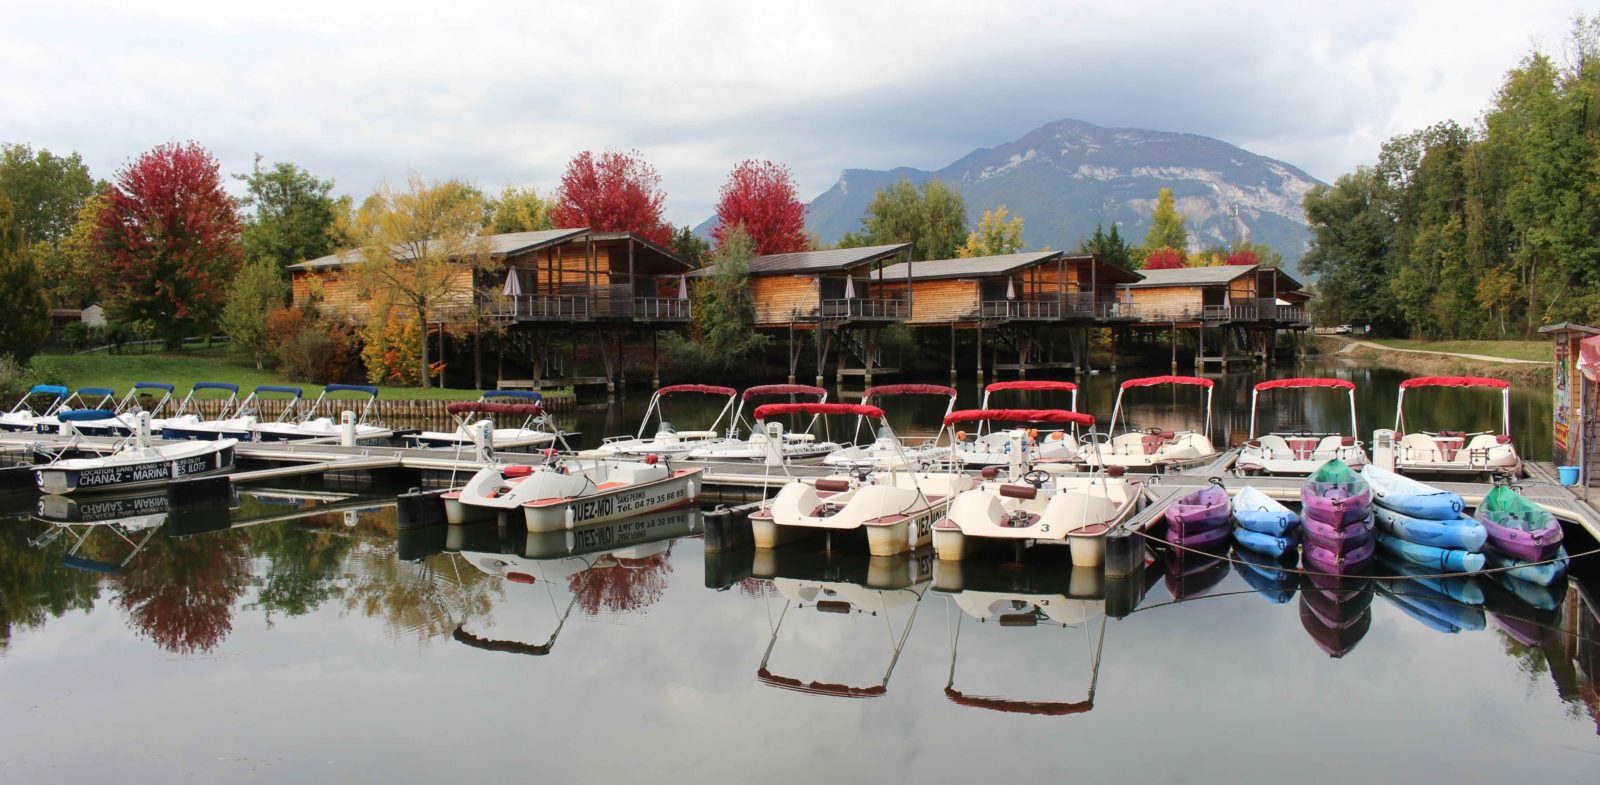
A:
[(25, 320)]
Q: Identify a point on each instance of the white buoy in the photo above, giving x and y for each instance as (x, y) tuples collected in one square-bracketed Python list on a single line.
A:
[(347, 429)]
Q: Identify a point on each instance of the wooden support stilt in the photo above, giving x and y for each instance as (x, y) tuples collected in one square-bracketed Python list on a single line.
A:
[(655, 360), (1023, 347), (792, 355), (1113, 350), (870, 343), (979, 354), (1173, 342), (824, 338), (952, 354)]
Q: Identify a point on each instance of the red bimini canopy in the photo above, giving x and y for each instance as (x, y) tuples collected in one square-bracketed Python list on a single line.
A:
[(776, 409), (1151, 381), (785, 389), (1454, 381), (909, 389), (1284, 384), (1021, 415), (1026, 385), (1043, 708), (708, 389), (483, 407)]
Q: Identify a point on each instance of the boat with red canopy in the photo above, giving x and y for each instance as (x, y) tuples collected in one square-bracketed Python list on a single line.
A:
[(1448, 451), (1285, 451), (887, 450), (1152, 447), (988, 447), (667, 440), (800, 444)]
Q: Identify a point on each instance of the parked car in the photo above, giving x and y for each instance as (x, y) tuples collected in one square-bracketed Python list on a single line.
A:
[(1344, 329)]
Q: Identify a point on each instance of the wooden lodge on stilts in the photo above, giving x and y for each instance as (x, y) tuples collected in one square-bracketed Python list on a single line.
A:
[(1235, 311)]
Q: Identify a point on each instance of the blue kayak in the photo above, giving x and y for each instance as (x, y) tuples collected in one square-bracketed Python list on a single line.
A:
[(1544, 598), (1541, 574), (1258, 512), (1462, 534), (1459, 588), (1434, 610), (1409, 497), (1276, 586), (1263, 543), (1442, 559)]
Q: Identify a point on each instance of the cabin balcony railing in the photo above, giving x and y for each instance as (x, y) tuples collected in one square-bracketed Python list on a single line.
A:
[(539, 307), (1119, 310), (662, 309), (996, 310), (1292, 314), (863, 309)]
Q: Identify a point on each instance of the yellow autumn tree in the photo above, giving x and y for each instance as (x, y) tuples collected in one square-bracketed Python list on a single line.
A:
[(999, 233)]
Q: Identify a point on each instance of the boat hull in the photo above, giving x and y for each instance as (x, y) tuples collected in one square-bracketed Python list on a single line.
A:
[(1434, 558), (64, 480), (1463, 533), (1338, 541), (677, 489)]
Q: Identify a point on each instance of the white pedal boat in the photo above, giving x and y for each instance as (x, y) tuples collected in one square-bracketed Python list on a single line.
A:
[(1299, 453), (238, 424), (121, 419), (185, 414), (134, 463), (1448, 452), (795, 445), (1034, 505), (887, 451), (565, 492), (23, 415), (896, 507), (103, 398), (524, 437), (990, 447), (325, 428), (1150, 448), (668, 441)]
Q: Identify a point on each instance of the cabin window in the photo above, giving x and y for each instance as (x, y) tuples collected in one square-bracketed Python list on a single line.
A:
[(993, 289), (1211, 295), (832, 287)]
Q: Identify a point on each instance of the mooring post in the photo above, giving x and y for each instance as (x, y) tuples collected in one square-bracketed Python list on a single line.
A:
[(1122, 553)]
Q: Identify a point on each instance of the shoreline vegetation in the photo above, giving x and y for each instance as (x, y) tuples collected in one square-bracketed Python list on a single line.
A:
[(1445, 358)]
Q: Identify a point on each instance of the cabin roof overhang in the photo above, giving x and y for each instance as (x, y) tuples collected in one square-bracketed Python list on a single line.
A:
[(500, 246), (837, 260)]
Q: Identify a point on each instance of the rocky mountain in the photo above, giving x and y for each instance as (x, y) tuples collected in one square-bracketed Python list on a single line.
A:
[(1067, 176)]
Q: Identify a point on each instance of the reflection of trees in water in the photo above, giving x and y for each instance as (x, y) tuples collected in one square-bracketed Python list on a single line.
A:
[(180, 592), (35, 586), (426, 599), (620, 584), (305, 565)]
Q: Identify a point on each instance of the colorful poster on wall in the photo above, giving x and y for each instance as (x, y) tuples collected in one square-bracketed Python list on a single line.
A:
[(1563, 397)]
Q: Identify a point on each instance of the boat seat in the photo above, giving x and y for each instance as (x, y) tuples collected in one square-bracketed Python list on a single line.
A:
[(1151, 443), (1274, 445), (1419, 447)]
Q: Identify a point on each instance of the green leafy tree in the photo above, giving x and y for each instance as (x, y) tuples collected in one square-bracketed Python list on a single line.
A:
[(721, 337), (25, 320), (257, 291), (45, 191), (521, 210), (1109, 247), (692, 247), (999, 233), (72, 276), (933, 219), (1352, 235), (1168, 227), (292, 214)]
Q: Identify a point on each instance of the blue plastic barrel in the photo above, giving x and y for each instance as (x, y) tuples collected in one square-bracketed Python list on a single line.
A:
[(1569, 474)]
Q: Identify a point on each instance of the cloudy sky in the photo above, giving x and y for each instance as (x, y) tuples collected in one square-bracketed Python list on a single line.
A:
[(505, 93)]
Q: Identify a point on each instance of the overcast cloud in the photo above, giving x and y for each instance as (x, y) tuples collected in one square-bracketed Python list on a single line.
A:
[(506, 93)]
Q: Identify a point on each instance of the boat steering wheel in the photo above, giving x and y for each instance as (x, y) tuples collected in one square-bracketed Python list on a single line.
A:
[(861, 473), (1037, 478)]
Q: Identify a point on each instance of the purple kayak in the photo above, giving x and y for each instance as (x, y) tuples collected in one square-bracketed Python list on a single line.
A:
[(1335, 639), (1324, 560), (1202, 511), (1206, 539), (1336, 495), (1339, 541), (1517, 527)]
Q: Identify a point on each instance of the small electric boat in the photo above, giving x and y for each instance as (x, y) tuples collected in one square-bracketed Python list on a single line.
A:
[(100, 398), (1031, 504), (792, 445), (1299, 452), (668, 441), (21, 417), (120, 421), (1151, 448), (895, 506), (326, 428), (1517, 527), (1199, 520), (1448, 452), (133, 463), (524, 437), (563, 492), (990, 447), (238, 424), (888, 451), (185, 414)]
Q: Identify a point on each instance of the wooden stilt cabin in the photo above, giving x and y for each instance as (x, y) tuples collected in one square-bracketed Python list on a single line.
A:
[(1233, 294), (1038, 287), (833, 288)]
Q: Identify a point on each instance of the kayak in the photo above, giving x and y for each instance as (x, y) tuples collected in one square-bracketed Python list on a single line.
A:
[(1462, 533), (1517, 527), (1206, 539), (1434, 610), (1540, 596), (1411, 498), (1269, 544), (1203, 510), (1339, 541), (1460, 588), (1258, 512), (1336, 495), (1189, 575), (1540, 574), (1338, 636), (1266, 575), (1324, 560), (1442, 559)]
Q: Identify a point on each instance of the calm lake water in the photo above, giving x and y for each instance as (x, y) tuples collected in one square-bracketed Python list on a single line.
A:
[(300, 637)]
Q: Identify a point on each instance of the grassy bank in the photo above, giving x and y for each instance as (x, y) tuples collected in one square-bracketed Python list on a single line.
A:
[(121, 371), (1438, 364), (1541, 351)]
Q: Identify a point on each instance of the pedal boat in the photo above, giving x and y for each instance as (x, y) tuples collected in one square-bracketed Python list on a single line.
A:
[(1299, 452), (668, 441), (990, 447), (534, 432), (1448, 452), (1151, 448), (887, 451), (792, 445)]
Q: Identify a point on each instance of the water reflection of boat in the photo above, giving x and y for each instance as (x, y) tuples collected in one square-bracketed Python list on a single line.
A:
[(1192, 574), (1054, 598), (1447, 605), (134, 531), (140, 511), (1267, 575), (1336, 611), (849, 585)]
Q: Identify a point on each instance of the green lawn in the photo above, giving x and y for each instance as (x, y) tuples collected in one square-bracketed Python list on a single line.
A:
[(1517, 350), (120, 371)]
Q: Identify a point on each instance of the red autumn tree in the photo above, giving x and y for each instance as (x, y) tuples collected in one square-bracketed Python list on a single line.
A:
[(168, 239), (1165, 259), (1243, 258), (760, 195), (614, 192)]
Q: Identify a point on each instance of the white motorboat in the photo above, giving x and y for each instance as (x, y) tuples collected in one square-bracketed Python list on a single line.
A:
[(1448, 452), (326, 428), (533, 432), (238, 424), (22, 416), (133, 463), (186, 414), (896, 507), (1299, 452), (1037, 503), (888, 451), (101, 398), (989, 447), (668, 441), (792, 445), (119, 420), (1150, 448)]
